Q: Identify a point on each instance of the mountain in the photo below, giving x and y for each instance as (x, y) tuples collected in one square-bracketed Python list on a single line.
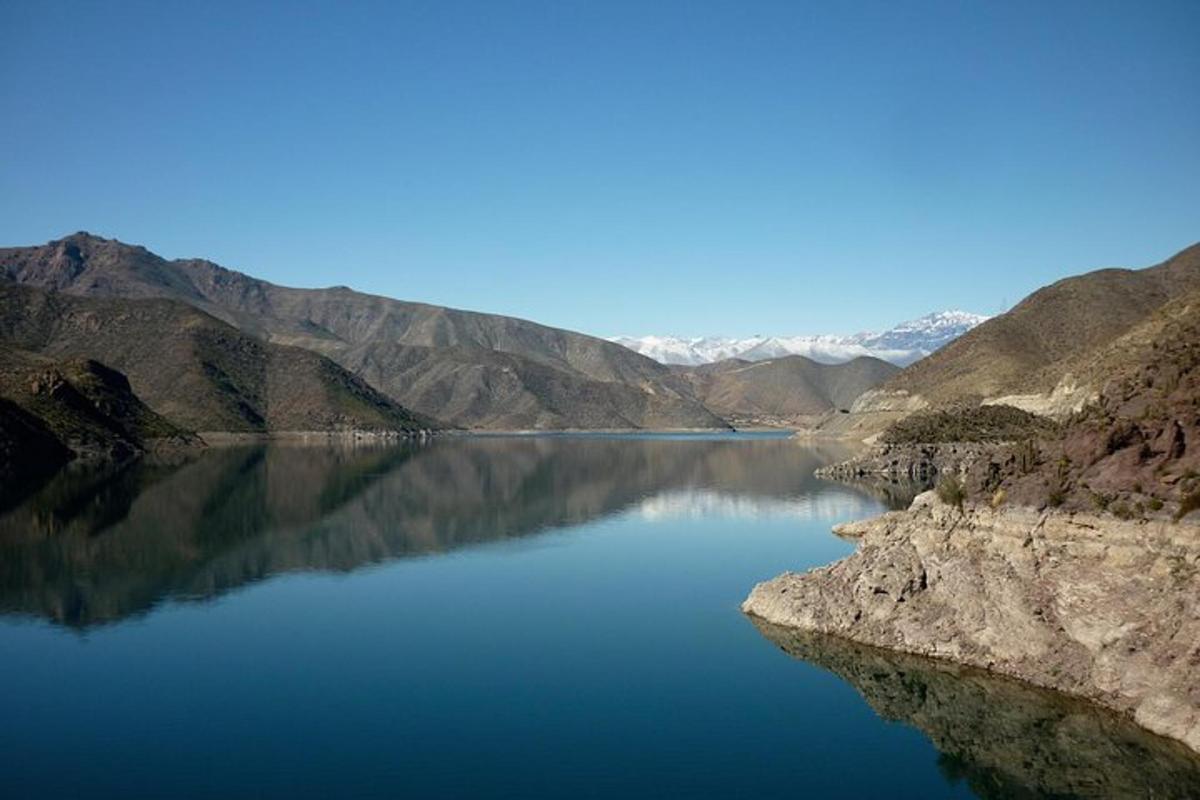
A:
[(901, 345), (1039, 355), (198, 372), (783, 391), (466, 368)]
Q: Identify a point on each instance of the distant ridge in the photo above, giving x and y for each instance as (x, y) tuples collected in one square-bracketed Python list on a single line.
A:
[(788, 391), (901, 345)]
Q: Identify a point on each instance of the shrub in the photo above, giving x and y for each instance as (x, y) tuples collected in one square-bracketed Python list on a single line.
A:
[(951, 492), (1027, 456), (998, 498), (1058, 487), (998, 423)]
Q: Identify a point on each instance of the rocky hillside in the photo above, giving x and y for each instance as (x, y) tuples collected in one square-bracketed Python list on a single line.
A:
[(783, 391), (1040, 355), (197, 372), (52, 411), (1103, 609), (1135, 451), (469, 369), (1061, 551)]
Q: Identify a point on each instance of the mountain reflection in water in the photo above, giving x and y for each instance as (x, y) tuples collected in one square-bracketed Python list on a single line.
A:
[(615, 662), (1003, 738), (94, 546)]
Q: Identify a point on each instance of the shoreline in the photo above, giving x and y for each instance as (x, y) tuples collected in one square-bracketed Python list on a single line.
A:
[(235, 437), (1097, 608), (222, 437), (782, 433)]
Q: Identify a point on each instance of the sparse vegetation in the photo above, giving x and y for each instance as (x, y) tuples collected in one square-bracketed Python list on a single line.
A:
[(996, 423), (1027, 456), (951, 491), (1058, 485)]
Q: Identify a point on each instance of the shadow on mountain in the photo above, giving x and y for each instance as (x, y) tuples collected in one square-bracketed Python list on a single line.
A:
[(95, 546), (1003, 738)]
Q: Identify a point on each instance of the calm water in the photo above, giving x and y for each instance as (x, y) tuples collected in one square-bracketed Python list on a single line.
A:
[(492, 617)]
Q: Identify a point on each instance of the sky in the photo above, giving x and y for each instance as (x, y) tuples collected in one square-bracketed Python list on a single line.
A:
[(690, 168)]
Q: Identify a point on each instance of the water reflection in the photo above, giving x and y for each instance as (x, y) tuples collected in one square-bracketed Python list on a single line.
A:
[(830, 505), (1002, 738), (97, 546)]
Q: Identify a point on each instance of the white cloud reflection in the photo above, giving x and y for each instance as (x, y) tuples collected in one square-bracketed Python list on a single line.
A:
[(697, 503)]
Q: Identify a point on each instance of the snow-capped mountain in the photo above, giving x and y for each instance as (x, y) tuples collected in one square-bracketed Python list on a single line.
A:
[(900, 345)]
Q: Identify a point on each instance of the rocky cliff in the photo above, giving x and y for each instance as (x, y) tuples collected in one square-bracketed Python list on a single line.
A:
[(1096, 607)]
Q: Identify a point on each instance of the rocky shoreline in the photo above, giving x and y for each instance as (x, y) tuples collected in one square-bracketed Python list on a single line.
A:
[(1092, 606), (919, 463)]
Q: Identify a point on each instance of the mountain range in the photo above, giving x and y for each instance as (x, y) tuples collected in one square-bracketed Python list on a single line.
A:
[(212, 349), (461, 368), (901, 345), (98, 335)]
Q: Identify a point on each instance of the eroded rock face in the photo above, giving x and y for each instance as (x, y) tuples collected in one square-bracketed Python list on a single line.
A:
[(919, 463), (1002, 737), (1099, 608)]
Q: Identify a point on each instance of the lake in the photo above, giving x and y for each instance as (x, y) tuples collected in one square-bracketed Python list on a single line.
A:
[(536, 616)]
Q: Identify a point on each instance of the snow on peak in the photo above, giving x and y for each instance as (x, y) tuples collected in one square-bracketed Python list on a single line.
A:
[(902, 345)]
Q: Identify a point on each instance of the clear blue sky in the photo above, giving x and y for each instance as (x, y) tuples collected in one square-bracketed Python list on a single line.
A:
[(688, 168)]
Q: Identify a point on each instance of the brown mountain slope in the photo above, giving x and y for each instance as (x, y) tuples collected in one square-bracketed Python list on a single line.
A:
[(1135, 452), (784, 390), (474, 387), (1024, 355), (371, 335), (54, 411), (197, 371)]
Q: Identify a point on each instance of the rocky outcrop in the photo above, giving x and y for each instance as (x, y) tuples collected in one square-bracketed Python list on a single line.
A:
[(54, 411), (918, 463), (1095, 607)]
